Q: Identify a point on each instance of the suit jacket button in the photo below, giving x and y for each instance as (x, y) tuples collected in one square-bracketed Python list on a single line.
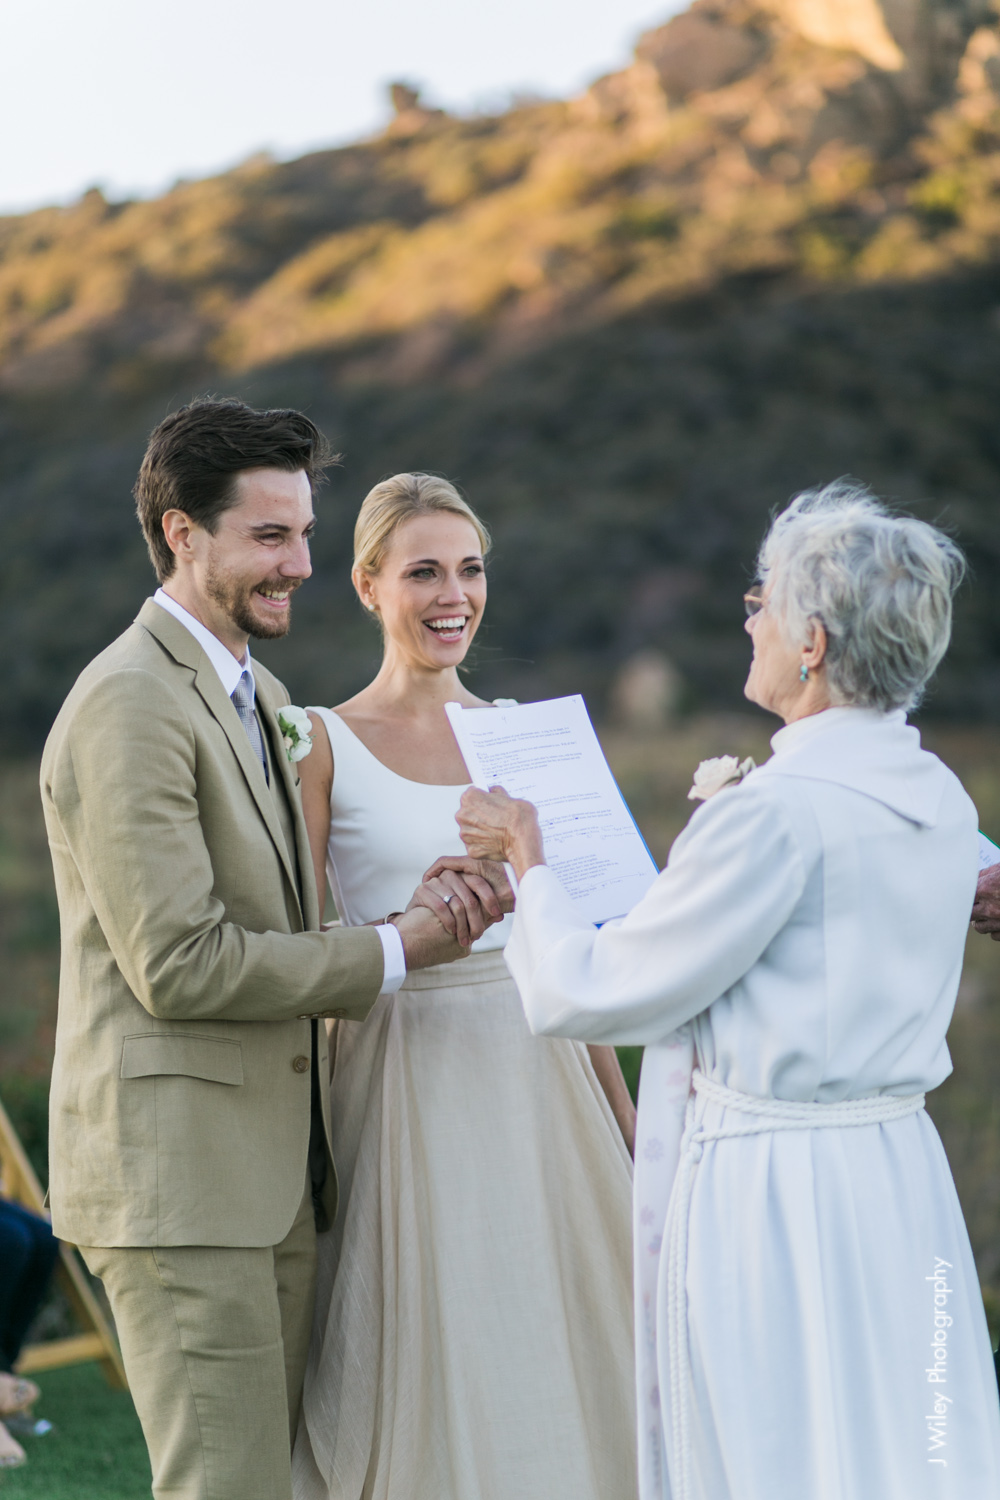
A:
[(340, 1013), (300, 1064)]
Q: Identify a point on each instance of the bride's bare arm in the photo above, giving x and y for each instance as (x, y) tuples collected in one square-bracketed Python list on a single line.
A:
[(612, 1081), (316, 773)]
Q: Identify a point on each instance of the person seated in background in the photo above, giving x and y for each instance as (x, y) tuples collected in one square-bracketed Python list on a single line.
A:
[(28, 1253), (12, 1455)]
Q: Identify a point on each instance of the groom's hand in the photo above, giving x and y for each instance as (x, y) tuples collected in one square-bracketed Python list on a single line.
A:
[(986, 908), (425, 940)]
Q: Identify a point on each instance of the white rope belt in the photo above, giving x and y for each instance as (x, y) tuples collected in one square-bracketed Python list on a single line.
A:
[(759, 1116)]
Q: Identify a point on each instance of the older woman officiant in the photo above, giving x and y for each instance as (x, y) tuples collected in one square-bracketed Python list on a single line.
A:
[(812, 1324)]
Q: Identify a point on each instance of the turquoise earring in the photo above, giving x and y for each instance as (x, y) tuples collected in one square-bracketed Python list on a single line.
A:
[(803, 673)]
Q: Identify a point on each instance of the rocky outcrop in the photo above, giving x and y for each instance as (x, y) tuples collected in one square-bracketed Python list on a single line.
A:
[(856, 26), (922, 38), (716, 42), (410, 114), (700, 51), (892, 34)]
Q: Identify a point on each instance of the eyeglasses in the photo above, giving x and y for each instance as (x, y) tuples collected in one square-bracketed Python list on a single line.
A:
[(753, 604)]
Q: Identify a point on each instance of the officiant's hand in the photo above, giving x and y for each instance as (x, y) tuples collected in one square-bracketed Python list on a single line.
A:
[(986, 907), (466, 895), (497, 827)]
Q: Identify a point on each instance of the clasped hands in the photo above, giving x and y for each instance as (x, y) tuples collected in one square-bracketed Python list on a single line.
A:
[(467, 893)]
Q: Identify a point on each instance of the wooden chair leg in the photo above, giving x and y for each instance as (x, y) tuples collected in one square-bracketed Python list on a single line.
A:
[(97, 1341)]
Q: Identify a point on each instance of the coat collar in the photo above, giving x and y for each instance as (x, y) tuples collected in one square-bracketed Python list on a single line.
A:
[(229, 669), (178, 641), (866, 751)]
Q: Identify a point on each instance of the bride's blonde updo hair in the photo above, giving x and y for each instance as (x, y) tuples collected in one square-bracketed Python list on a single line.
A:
[(399, 499)]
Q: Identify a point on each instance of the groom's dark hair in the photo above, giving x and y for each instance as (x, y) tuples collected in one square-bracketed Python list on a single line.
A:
[(195, 454)]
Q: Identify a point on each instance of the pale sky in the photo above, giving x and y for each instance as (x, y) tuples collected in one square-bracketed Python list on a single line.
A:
[(131, 95)]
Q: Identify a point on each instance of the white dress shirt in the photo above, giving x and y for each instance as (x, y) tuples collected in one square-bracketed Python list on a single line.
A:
[(230, 669)]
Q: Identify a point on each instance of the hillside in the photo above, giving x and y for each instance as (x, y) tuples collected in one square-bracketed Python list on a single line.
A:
[(765, 254)]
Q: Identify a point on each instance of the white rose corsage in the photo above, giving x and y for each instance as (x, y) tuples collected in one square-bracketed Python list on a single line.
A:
[(296, 731), (712, 775)]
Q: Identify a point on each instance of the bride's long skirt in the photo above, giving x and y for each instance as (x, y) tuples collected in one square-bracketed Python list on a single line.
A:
[(473, 1335)]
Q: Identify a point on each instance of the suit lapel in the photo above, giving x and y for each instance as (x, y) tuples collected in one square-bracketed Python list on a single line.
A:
[(185, 649), (286, 770)]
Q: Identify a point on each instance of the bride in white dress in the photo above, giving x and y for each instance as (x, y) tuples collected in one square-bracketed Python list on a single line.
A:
[(473, 1333)]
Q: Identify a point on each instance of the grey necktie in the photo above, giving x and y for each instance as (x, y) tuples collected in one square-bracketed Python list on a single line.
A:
[(242, 696)]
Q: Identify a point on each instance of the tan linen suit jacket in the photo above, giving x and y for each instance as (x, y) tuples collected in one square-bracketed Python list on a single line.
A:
[(191, 957)]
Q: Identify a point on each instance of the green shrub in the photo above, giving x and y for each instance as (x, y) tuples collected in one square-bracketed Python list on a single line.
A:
[(631, 1061), (26, 1100)]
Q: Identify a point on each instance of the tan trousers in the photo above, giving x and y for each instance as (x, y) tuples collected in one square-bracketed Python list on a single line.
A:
[(215, 1343)]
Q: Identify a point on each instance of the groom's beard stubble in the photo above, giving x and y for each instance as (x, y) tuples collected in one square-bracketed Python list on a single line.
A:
[(234, 595)]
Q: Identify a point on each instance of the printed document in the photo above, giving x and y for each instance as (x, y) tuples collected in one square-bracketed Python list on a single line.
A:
[(548, 754)]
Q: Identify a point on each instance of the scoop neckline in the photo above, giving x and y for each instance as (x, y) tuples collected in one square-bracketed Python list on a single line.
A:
[(437, 786)]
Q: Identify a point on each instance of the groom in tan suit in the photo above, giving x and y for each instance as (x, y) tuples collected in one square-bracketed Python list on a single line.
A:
[(189, 1119)]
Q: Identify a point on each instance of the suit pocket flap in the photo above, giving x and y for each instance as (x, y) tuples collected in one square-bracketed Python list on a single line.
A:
[(211, 1058)]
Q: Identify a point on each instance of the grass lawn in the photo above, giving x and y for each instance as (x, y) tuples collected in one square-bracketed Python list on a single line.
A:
[(96, 1451)]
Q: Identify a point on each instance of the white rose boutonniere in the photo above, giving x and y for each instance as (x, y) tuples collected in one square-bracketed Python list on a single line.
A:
[(296, 731), (712, 775)]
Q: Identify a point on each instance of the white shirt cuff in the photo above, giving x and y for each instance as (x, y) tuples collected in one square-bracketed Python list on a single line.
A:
[(393, 957)]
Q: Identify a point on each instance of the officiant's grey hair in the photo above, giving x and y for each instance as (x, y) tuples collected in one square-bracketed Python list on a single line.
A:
[(881, 584)]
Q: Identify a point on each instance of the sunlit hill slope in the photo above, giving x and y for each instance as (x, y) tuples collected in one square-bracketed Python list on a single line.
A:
[(763, 255)]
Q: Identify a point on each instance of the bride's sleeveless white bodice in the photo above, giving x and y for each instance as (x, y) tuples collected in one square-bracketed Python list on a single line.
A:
[(385, 830)]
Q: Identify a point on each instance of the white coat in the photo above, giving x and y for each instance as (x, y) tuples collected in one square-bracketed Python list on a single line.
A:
[(810, 925)]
